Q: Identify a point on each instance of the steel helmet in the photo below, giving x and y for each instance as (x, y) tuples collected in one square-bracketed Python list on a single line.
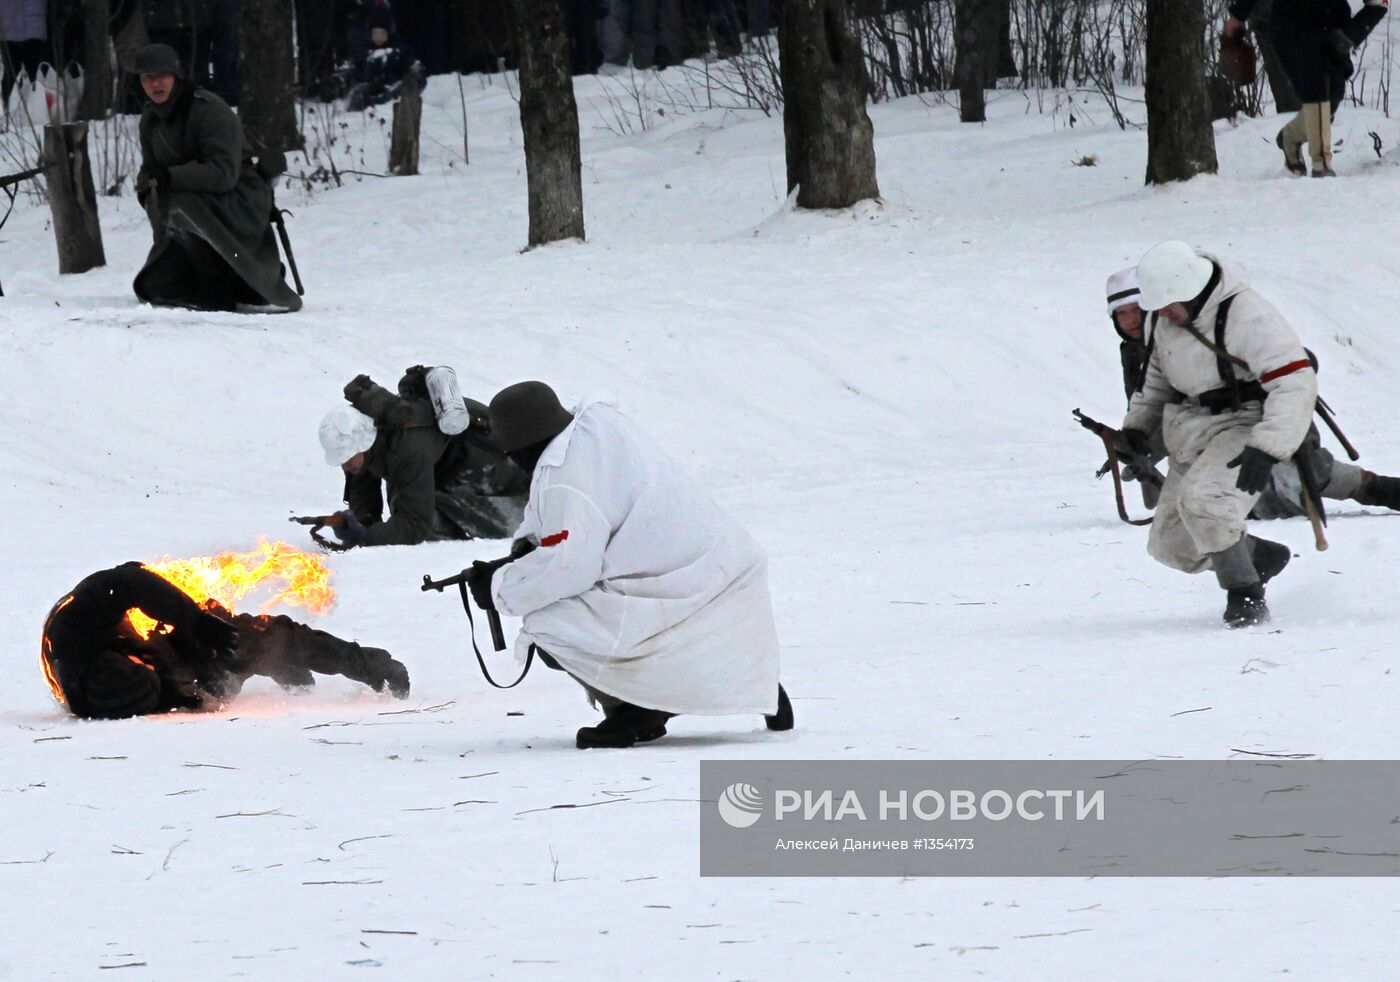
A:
[(345, 431), (525, 414), (1171, 272), (1122, 289), (156, 59)]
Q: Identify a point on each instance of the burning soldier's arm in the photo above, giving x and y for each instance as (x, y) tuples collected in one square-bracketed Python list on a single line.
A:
[(101, 601)]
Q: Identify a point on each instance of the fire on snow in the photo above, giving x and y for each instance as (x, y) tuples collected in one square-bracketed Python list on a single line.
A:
[(274, 573)]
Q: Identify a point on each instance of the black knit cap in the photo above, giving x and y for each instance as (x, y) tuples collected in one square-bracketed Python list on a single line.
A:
[(525, 414), (157, 59)]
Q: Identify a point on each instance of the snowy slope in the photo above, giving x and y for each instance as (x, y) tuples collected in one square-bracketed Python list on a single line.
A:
[(881, 396)]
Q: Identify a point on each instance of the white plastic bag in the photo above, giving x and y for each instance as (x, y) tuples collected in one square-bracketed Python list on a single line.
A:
[(28, 104), (62, 92)]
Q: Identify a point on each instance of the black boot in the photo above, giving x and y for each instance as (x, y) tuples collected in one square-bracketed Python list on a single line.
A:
[(1269, 557), (782, 719), (1237, 574), (1245, 607), (382, 672), (624, 725), (1379, 490)]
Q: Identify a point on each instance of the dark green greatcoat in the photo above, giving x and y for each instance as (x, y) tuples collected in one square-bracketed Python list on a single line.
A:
[(438, 487), (214, 241)]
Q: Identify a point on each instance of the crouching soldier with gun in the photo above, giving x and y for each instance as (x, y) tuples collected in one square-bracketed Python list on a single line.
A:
[(635, 584), (1231, 388), (1336, 480)]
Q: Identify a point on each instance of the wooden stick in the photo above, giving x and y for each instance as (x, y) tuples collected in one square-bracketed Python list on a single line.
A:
[(1319, 537)]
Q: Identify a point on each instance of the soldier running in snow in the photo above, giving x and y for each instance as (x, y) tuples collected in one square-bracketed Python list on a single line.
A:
[(438, 486), (1283, 498), (1233, 391), (209, 205), (640, 588), (100, 667), (1314, 40)]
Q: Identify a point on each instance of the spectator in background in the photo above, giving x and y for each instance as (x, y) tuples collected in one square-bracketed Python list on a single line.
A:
[(379, 71), (1314, 39), (24, 31), (357, 22)]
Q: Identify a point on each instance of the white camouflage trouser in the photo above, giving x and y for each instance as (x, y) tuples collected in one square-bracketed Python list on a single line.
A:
[(1201, 511)]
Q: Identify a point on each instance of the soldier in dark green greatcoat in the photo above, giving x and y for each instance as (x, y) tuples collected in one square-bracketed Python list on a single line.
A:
[(437, 486), (209, 204)]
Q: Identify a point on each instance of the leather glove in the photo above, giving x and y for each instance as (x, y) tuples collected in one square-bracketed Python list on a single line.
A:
[(356, 387), (1130, 441), (479, 581), (1256, 467), (352, 533), (216, 634)]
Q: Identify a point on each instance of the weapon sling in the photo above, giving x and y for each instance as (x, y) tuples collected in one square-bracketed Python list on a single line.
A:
[(495, 621), (1112, 452)]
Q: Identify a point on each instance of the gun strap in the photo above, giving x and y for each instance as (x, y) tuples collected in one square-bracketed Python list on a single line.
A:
[(471, 627), (1118, 483)]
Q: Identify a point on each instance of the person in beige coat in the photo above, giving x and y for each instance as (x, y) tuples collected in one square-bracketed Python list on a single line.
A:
[(1230, 385)]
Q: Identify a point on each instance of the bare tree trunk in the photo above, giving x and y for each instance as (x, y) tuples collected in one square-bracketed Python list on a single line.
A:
[(267, 74), (829, 140), (73, 198), (97, 60), (408, 118), (976, 34), (549, 121), (1180, 141)]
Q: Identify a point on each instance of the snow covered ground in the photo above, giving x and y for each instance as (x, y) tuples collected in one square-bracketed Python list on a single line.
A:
[(881, 396)]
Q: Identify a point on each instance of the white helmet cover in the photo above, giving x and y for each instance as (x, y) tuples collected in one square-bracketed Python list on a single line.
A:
[(1171, 272), (345, 431), (1122, 289)]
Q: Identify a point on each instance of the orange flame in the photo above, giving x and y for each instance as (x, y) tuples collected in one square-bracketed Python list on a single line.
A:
[(45, 650), (278, 572)]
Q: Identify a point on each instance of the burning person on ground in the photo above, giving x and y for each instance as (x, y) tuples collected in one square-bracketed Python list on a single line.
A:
[(128, 642)]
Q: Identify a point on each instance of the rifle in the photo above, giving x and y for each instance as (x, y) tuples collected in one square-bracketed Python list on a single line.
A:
[(318, 522), (1325, 411), (277, 214), (519, 548), (1146, 470)]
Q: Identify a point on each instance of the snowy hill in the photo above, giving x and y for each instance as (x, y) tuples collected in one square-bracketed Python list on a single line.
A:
[(882, 397)]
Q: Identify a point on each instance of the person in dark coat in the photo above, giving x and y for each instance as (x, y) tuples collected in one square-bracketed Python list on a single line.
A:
[(438, 487), (98, 666), (24, 41), (210, 207), (379, 69), (1314, 39)]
